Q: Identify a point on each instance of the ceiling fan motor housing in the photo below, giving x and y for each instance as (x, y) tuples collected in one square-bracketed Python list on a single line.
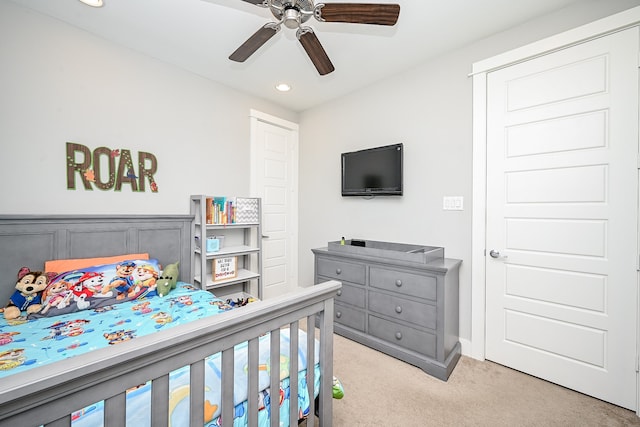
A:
[(292, 13), (291, 18)]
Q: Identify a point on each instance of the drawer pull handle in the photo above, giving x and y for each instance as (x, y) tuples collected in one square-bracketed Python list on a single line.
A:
[(339, 292), (398, 309), (338, 314), (398, 283), (338, 271), (398, 335)]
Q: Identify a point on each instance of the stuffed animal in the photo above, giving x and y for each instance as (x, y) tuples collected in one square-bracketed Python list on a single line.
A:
[(168, 280), (57, 295), (28, 294)]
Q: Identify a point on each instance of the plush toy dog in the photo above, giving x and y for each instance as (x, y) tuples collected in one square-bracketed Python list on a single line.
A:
[(28, 293)]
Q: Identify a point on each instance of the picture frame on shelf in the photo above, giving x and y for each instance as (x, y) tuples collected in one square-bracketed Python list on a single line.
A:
[(224, 268)]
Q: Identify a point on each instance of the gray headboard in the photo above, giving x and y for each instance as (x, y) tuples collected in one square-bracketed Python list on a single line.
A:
[(30, 240)]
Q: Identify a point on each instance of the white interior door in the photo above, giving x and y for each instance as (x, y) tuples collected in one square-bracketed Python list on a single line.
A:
[(274, 178), (562, 217)]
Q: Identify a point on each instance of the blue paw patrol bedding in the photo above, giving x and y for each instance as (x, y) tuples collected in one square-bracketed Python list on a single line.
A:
[(26, 343)]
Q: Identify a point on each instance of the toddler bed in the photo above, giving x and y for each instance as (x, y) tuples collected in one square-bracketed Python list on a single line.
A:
[(192, 360)]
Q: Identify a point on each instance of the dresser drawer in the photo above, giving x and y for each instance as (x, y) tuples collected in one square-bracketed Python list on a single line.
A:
[(406, 283), (350, 294), (341, 270), (404, 336), (349, 316), (404, 309)]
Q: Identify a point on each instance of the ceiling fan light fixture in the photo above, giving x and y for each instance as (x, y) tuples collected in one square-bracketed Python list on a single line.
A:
[(283, 87), (93, 3)]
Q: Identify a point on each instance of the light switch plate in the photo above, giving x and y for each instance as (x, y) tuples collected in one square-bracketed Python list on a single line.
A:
[(453, 203)]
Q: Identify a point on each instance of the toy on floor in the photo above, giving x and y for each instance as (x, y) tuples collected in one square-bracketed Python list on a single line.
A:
[(338, 390), (240, 302)]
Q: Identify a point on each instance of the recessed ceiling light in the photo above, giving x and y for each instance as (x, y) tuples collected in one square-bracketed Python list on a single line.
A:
[(283, 87), (93, 3)]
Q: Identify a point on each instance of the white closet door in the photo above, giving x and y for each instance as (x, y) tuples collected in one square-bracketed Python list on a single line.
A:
[(274, 177), (562, 217)]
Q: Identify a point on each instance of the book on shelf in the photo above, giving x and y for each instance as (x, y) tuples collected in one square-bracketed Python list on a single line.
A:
[(220, 210), (209, 209)]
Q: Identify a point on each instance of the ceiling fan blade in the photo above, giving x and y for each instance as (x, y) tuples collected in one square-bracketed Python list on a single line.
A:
[(316, 52), (254, 42), (359, 13), (256, 2)]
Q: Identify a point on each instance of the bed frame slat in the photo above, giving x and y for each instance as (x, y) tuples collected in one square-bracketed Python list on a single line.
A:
[(252, 382), (311, 351), (227, 388), (196, 393), (274, 366), (159, 399), (114, 413), (326, 364), (294, 327)]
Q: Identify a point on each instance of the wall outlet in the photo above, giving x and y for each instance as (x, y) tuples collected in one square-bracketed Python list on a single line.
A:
[(453, 203)]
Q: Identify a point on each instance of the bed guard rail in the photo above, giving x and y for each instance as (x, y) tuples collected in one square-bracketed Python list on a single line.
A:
[(48, 395)]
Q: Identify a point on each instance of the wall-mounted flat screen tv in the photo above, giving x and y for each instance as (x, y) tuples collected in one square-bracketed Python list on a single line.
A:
[(373, 172)]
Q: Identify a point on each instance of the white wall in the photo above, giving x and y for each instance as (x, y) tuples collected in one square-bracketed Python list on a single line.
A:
[(429, 109), (60, 84)]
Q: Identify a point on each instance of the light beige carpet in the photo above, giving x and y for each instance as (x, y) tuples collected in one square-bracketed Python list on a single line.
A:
[(383, 391)]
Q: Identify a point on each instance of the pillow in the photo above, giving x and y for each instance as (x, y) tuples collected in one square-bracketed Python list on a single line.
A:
[(58, 265), (99, 286)]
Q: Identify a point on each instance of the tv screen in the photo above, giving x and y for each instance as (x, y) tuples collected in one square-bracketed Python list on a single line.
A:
[(373, 172)]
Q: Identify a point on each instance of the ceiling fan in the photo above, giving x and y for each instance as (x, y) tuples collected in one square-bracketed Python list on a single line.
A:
[(294, 13)]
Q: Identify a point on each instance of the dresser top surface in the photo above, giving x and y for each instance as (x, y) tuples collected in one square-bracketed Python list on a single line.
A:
[(440, 265)]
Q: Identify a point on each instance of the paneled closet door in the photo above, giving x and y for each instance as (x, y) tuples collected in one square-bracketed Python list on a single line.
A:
[(562, 217), (274, 177)]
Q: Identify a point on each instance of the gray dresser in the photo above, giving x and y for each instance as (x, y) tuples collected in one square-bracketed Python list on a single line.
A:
[(404, 306)]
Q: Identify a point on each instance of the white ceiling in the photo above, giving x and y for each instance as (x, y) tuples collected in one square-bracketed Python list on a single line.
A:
[(199, 36)]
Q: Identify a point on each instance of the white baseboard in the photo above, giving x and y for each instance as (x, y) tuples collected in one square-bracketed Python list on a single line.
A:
[(467, 348)]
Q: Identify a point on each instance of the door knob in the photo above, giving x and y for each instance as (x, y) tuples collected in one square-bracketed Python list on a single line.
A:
[(495, 254)]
